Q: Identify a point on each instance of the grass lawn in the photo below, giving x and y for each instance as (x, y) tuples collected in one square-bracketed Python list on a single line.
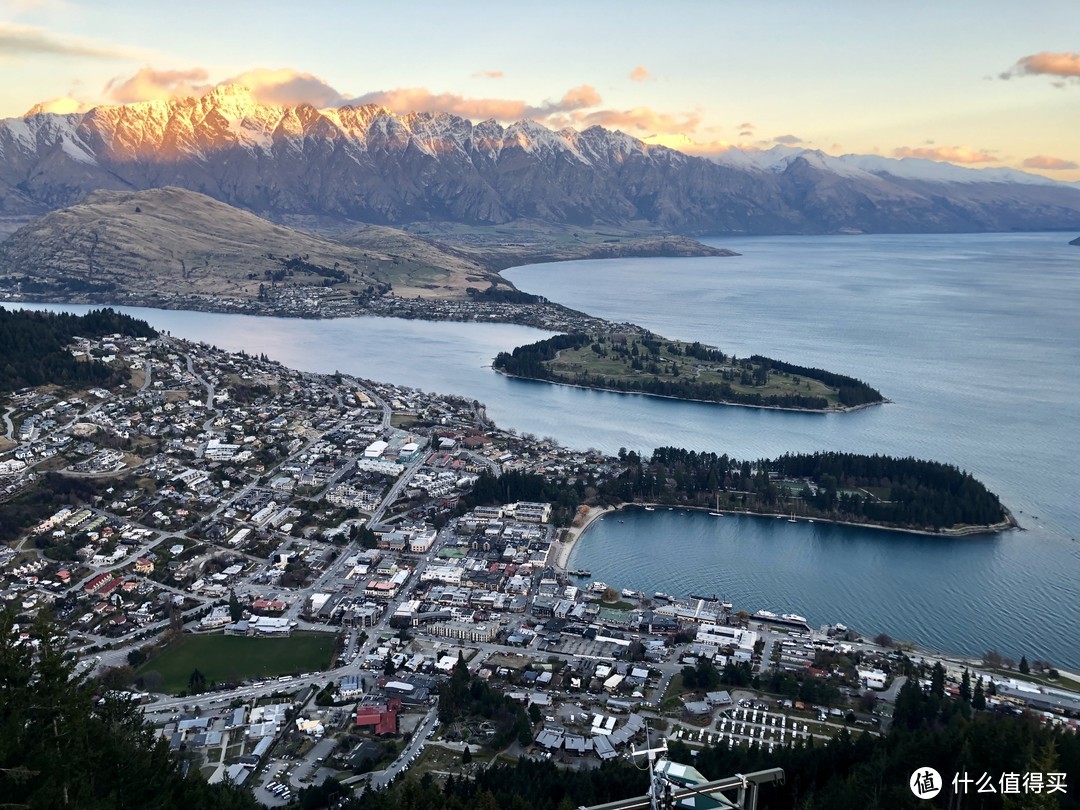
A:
[(615, 365), (227, 658)]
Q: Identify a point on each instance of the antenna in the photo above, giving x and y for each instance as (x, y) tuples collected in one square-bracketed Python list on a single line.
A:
[(659, 787)]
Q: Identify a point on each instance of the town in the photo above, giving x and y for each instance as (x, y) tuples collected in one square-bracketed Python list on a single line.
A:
[(292, 573)]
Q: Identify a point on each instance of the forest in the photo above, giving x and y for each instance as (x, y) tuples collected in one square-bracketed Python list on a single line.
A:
[(35, 346), (65, 746), (882, 490)]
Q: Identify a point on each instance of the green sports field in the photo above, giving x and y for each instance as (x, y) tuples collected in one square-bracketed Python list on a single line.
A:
[(222, 658)]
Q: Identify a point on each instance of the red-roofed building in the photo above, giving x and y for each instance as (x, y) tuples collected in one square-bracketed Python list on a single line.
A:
[(109, 587), (94, 585), (268, 606), (383, 719)]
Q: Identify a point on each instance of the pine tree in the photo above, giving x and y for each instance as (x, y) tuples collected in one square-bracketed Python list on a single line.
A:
[(63, 746), (965, 687), (978, 700), (1024, 667)]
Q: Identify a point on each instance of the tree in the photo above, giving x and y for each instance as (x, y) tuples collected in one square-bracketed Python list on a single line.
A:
[(236, 612), (466, 756), (63, 746), (965, 687), (937, 680), (196, 682), (1025, 668), (883, 640), (978, 699), (534, 713)]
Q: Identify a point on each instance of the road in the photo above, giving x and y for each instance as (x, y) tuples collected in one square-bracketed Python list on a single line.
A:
[(9, 427)]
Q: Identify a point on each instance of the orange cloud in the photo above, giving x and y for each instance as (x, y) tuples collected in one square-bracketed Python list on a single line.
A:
[(640, 74), (60, 106), (642, 119), (157, 85), (949, 154), (1064, 64), (283, 86), (488, 74), (287, 87), (1047, 162)]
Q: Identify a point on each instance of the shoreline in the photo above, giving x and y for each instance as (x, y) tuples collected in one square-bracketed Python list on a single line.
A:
[(821, 411), (574, 533), (1010, 523)]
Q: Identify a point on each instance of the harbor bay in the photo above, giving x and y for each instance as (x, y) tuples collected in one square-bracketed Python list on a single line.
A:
[(971, 337)]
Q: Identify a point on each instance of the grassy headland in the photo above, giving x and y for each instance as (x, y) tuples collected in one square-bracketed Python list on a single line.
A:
[(648, 364)]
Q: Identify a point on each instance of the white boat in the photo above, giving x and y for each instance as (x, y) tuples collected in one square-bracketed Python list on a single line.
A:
[(650, 508), (792, 518), (717, 513), (765, 614), (794, 617)]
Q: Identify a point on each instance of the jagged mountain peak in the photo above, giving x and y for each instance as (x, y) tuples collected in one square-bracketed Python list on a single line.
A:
[(366, 163)]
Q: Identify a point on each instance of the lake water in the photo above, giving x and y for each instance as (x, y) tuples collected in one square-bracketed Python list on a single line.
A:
[(975, 338)]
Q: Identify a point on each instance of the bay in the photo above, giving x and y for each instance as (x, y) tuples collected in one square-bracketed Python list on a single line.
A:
[(974, 338)]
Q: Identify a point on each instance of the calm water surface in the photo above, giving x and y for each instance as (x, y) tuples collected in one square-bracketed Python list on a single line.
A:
[(975, 338)]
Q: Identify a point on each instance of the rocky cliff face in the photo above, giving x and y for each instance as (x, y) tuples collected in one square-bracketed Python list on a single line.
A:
[(366, 164)]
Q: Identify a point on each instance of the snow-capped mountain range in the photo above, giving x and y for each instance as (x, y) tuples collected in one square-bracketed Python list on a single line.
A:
[(369, 164)]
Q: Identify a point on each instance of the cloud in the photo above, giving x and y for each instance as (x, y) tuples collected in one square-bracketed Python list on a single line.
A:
[(420, 99), (949, 154), (642, 119), (1046, 63), (61, 106), (283, 86), (640, 74), (1047, 162), (157, 85), (24, 40), (746, 125), (287, 87), (488, 74), (746, 133), (789, 140)]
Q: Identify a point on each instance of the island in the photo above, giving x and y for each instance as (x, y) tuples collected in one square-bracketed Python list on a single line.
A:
[(632, 360)]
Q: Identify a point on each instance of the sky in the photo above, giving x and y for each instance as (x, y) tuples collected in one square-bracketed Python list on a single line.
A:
[(980, 84)]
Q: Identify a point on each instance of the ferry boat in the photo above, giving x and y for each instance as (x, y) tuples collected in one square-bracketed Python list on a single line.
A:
[(580, 572), (596, 587), (765, 614), (793, 617), (663, 596)]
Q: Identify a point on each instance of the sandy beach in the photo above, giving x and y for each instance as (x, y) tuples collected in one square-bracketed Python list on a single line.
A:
[(572, 534)]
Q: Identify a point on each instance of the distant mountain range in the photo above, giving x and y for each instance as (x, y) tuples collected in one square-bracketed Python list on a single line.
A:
[(366, 164)]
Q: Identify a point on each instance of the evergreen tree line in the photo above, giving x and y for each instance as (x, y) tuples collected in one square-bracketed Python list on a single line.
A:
[(851, 391), (514, 486), (64, 745), (849, 772), (528, 361), (462, 697), (34, 346), (913, 493)]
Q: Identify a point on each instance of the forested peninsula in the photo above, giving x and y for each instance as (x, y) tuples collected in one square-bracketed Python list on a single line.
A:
[(35, 347), (907, 494), (644, 363)]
